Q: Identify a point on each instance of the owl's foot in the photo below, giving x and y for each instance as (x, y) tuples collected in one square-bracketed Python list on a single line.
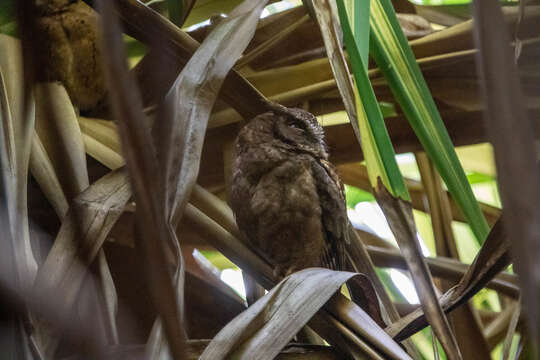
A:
[(278, 273), (281, 271)]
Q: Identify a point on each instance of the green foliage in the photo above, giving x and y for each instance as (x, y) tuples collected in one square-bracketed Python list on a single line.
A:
[(218, 260), (387, 109), (394, 56), (7, 9), (134, 48), (175, 9), (355, 195), (376, 144)]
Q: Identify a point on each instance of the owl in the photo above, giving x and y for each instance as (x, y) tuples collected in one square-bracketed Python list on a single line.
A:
[(68, 50), (287, 198)]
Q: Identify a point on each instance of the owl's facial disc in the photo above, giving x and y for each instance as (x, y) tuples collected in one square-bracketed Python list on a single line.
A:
[(301, 133)]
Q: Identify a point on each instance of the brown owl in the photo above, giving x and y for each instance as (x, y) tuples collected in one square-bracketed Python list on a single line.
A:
[(287, 197), (68, 51)]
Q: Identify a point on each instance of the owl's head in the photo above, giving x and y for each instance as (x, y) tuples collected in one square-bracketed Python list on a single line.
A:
[(289, 129), (300, 129)]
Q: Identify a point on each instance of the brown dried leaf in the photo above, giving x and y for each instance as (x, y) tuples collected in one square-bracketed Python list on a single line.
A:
[(492, 258), (464, 320), (17, 131), (83, 231), (59, 132), (57, 126), (183, 116), (399, 215), (445, 268), (362, 263), (267, 326), (17, 262), (512, 135), (152, 233), (196, 347), (43, 171), (147, 25)]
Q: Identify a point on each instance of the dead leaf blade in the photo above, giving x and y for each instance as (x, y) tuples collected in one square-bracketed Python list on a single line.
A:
[(267, 326), (492, 258), (66, 266), (511, 133), (152, 233), (400, 219)]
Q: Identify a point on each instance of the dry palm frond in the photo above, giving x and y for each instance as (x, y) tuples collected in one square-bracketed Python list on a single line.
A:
[(492, 258), (267, 326), (511, 132)]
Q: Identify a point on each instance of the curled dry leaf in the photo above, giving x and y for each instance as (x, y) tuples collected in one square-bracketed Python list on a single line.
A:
[(58, 133), (82, 233), (400, 219), (268, 325), (444, 268), (363, 263), (183, 116), (492, 258), (152, 232)]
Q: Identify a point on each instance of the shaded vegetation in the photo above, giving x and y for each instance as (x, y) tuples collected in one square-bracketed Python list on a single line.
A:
[(118, 120)]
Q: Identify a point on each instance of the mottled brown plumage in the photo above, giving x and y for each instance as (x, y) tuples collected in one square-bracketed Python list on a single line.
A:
[(68, 50), (287, 197)]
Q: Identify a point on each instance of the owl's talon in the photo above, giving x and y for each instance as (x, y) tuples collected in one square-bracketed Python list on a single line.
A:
[(277, 273), (280, 273)]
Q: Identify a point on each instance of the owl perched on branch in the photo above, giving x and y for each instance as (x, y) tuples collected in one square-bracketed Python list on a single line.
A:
[(287, 197)]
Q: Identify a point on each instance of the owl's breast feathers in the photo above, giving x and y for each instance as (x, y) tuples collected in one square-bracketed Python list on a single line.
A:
[(290, 204)]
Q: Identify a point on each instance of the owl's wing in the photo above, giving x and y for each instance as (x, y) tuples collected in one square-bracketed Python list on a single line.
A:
[(281, 216), (334, 213)]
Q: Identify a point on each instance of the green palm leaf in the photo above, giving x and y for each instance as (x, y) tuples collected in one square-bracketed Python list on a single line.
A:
[(392, 53)]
